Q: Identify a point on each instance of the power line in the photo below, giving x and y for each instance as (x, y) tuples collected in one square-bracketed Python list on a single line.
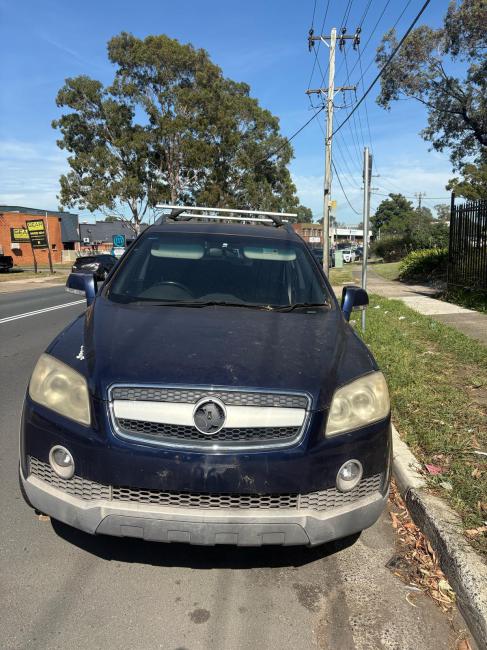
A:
[(424, 198), (392, 28), (291, 137), (385, 66), (313, 17), (365, 13), (319, 43), (343, 191), (370, 35)]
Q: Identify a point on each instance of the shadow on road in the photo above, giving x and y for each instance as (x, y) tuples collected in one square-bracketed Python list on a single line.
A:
[(197, 557)]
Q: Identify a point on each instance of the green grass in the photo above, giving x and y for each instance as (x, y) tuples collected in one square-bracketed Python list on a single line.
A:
[(20, 274), (389, 270), (341, 276), (438, 383)]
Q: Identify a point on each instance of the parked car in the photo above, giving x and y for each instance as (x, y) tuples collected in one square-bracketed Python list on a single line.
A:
[(6, 263), (99, 265), (318, 254), (359, 253), (348, 255), (212, 393)]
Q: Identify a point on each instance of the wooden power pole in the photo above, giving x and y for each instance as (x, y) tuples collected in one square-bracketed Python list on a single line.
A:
[(330, 94)]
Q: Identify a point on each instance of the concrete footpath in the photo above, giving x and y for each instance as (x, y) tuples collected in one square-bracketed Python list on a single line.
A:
[(422, 299)]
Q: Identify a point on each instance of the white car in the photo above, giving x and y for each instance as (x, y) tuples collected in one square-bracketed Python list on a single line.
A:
[(348, 255)]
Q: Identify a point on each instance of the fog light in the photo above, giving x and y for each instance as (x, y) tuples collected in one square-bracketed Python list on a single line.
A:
[(349, 475), (61, 461)]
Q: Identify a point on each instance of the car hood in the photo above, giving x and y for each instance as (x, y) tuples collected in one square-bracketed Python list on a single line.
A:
[(311, 351)]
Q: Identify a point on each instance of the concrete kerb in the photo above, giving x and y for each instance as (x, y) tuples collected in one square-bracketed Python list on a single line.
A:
[(464, 568)]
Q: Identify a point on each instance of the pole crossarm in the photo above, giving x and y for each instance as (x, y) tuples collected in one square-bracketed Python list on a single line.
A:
[(347, 37), (338, 89)]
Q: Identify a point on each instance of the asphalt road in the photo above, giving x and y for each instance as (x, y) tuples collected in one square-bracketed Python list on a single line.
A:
[(65, 589)]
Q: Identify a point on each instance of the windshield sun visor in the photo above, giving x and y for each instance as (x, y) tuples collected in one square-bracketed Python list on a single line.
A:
[(178, 251), (273, 254)]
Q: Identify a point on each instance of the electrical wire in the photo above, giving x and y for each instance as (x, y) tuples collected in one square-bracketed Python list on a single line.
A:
[(423, 198), (343, 191), (317, 49), (291, 137), (392, 28), (385, 66)]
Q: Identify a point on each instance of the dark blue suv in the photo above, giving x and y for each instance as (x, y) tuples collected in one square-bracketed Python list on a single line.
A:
[(213, 393)]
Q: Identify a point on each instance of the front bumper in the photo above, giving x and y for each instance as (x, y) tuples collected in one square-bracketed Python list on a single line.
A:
[(250, 527)]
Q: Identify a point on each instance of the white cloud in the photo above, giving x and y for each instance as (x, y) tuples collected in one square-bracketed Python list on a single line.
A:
[(30, 173), (403, 175)]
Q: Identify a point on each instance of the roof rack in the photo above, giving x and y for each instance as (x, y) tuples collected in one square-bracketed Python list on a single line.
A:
[(187, 212)]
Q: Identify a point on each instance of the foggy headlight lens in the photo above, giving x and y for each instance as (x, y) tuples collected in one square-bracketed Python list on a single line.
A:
[(361, 402), (60, 388)]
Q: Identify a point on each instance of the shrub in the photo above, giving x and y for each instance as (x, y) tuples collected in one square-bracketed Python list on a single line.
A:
[(391, 249), (425, 264)]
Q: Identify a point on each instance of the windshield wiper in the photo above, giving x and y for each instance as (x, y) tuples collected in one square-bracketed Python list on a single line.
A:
[(302, 305), (209, 303)]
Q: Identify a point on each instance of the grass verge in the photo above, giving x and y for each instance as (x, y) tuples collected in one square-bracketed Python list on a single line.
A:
[(30, 275), (438, 383), (389, 270), (341, 276)]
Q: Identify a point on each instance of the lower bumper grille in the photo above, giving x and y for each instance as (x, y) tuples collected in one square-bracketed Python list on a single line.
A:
[(320, 501)]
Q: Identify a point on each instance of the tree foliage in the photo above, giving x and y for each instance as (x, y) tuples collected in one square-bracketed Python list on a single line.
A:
[(172, 128), (446, 70), (404, 228), (443, 212), (473, 185)]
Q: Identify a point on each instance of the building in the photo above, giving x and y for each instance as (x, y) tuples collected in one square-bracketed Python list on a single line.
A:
[(61, 228), (98, 236), (313, 234)]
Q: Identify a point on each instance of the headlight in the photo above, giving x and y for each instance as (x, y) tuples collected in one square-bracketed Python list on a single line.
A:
[(60, 388), (361, 402)]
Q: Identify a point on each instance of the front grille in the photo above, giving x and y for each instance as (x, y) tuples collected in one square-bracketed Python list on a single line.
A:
[(76, 486), (134, 423), (193, 395), (333, 498), (205, 500), (181, 432), (321, 501)]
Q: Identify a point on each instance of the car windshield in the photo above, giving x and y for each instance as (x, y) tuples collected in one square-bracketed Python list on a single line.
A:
[(198, 269)]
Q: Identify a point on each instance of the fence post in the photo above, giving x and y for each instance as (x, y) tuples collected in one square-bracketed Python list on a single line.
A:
[(450, 240)]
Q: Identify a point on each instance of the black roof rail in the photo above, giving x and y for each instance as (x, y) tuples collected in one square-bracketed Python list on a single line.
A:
[(185, 213)]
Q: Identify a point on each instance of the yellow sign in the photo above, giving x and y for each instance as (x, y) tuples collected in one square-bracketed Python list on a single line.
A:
[(333, 205), (35, 227), (37, 232), (19, 235)]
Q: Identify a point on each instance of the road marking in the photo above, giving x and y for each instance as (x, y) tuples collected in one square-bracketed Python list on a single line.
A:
[(40, 311)]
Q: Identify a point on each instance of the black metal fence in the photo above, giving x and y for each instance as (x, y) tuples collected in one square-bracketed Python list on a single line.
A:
[(467, 256)]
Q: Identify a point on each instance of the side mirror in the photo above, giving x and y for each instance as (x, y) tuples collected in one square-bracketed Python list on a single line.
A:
[(353, 298), (82, 284)]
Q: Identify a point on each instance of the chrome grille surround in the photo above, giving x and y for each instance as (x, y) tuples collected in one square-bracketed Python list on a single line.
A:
[(188, 437), (322, 501)]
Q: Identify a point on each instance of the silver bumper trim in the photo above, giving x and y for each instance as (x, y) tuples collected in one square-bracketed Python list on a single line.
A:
[(251, 527)]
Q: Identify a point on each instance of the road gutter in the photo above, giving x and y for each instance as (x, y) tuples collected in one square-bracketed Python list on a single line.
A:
[(464, 568)]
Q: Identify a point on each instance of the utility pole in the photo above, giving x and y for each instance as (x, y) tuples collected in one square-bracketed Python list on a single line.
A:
[(330, 94), (366, 216), (420, 196)]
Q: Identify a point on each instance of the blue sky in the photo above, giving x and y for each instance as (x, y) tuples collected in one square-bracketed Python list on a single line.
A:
[(263, 43)]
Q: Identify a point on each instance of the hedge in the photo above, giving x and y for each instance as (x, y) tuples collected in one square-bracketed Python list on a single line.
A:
[(424, 264)]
